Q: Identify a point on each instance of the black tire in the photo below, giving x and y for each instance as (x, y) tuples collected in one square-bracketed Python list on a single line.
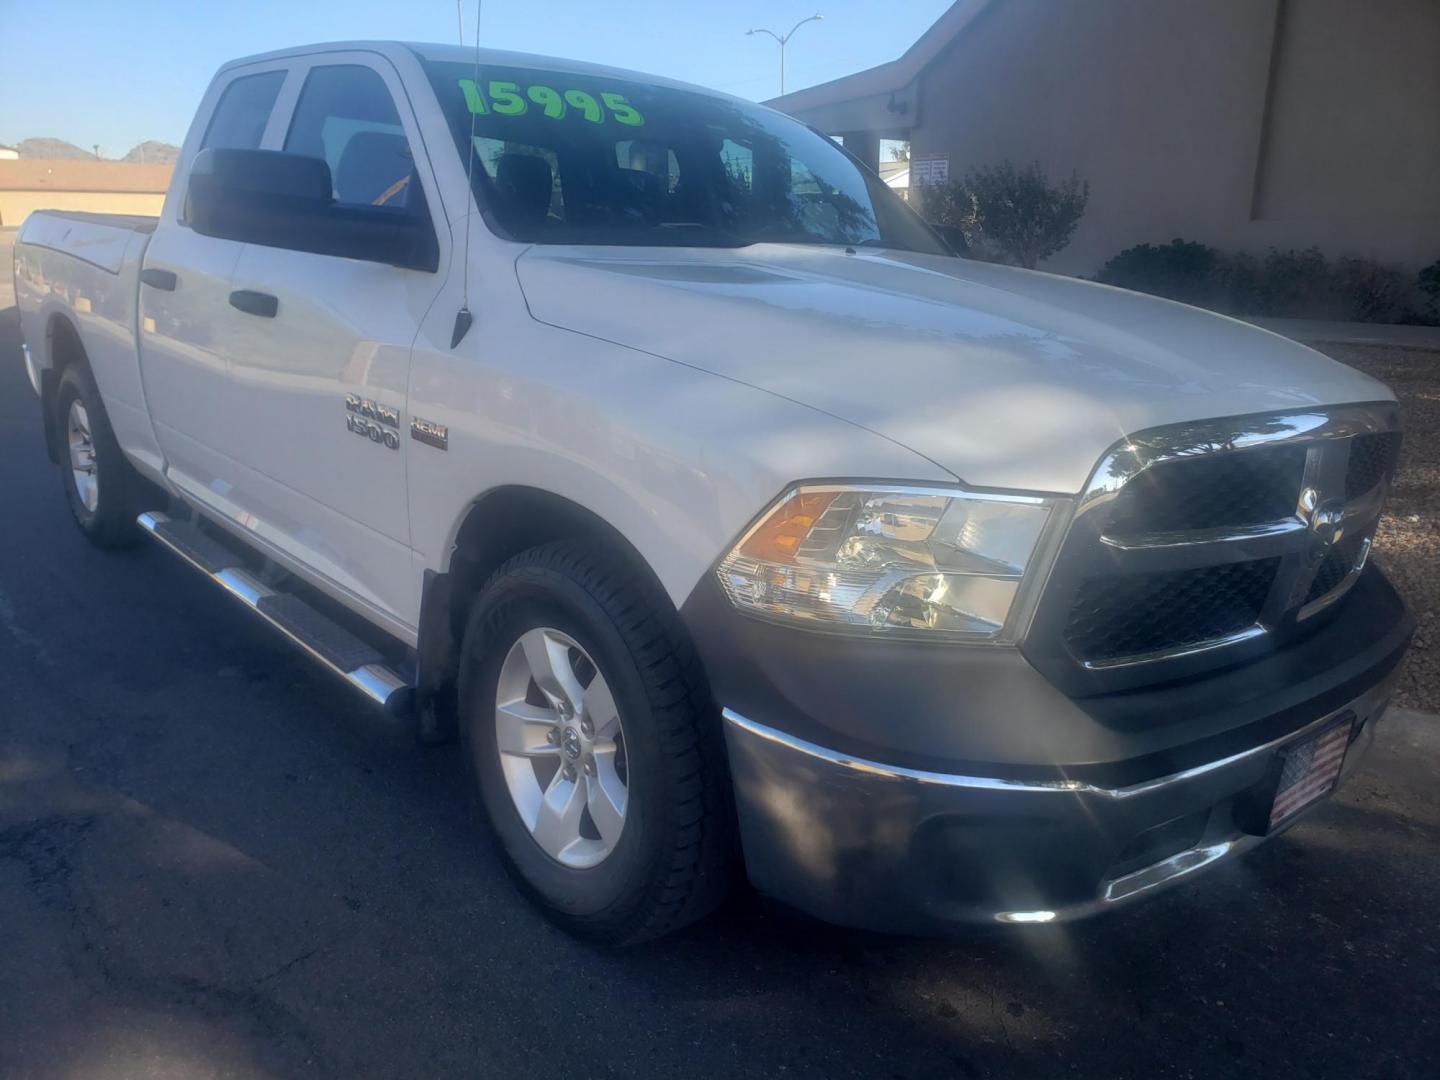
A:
[(111, 522), (673, 862)]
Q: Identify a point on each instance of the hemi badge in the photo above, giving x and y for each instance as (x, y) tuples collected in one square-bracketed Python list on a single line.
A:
[(430, 433)]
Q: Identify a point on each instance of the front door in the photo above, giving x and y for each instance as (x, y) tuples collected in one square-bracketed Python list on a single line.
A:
[(316, 413)]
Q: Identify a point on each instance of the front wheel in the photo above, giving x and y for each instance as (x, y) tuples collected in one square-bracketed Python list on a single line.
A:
[(593, 746)]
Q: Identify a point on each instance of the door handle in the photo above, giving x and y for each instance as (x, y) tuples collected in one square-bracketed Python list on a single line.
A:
[(159, 279), (255, 303)]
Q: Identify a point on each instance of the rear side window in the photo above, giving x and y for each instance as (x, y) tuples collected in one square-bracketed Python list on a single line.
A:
[(244, 108), (346, 116)]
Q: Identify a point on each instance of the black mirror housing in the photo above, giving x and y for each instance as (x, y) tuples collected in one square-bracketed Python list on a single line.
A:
[(281, 200)]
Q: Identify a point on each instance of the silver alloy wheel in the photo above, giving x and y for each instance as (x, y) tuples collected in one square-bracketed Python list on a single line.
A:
[(562, 748), (82, 456)]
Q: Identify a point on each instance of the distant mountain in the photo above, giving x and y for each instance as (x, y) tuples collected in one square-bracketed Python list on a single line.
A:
[(151, 152), (50, 148)]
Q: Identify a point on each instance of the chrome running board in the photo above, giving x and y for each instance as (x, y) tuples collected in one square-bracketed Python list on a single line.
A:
[(325, 641)]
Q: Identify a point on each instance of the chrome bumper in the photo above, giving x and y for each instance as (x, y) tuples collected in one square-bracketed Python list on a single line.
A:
[(867, 844)]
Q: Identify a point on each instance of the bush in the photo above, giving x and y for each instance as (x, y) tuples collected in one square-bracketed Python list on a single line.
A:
[(1280, 284), (1009, 214), (1180, 270), (1429, 285), (1372, 291)]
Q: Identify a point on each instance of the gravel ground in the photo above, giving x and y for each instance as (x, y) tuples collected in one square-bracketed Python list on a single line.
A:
[(1409, 539)]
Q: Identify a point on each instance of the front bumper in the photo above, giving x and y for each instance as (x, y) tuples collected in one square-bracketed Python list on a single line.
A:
[(911, 788), (864, 844)]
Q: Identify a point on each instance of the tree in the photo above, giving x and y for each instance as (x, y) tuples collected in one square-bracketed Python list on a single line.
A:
[(1009, 214)]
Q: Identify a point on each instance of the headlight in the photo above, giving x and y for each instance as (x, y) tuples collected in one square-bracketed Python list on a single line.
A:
[(890, 560)]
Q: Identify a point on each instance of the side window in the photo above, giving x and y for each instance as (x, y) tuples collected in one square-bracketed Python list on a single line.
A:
[(346, 116), (238, 122)]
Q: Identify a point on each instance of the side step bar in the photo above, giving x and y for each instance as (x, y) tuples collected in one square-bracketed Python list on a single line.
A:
[(334, 647)]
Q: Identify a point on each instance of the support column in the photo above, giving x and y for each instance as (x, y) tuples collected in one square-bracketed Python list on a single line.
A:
[(865, 145)]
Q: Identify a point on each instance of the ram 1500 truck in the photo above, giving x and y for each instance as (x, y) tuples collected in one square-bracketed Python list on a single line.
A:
[(641, 439)]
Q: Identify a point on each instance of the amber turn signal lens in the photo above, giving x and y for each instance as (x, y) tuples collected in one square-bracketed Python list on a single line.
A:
[(779, 536)]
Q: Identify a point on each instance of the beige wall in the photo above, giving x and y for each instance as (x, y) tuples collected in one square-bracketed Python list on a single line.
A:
[(16, 205), (1170, 110)]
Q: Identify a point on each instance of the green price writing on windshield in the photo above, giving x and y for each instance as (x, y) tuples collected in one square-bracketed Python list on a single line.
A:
[(502, 98)]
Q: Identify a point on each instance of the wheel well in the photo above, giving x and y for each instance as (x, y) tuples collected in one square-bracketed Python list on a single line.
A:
[(63, 348), (510, 520), (499, 526)]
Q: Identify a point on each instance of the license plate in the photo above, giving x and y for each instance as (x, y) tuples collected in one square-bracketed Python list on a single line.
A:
[(1309, 771)]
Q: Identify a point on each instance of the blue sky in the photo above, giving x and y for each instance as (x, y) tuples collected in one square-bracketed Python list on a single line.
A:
[(115, 72)]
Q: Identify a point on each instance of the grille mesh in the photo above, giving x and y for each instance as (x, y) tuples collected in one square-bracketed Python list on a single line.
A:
[(1226, 489), (1338, 563), (1372, 457), (1121, 616)]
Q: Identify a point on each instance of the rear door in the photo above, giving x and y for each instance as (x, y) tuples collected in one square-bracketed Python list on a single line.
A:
[(185, 315), (317, 405)]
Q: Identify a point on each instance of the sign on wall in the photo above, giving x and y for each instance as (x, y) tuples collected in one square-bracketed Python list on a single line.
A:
[(929, 169)]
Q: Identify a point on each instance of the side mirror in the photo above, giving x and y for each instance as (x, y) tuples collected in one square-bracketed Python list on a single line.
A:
[(954, 238), (281, 200)]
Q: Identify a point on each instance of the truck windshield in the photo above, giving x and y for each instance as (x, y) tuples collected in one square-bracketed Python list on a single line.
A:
[(583, 159)]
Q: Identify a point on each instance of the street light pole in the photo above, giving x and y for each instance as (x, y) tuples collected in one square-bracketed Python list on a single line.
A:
[(783, 39)]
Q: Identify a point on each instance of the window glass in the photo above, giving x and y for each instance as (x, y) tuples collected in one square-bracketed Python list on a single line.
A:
[(645, 155), (346, 117), (567, 158), (491, 153), (239, 119)]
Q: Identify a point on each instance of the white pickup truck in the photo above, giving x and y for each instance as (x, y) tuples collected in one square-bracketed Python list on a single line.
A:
[(642, 439)]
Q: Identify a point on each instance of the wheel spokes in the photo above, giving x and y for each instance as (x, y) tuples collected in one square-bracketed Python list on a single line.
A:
[(552, 669), (600, 709), (557, 826), (606, 797), (525, 730)]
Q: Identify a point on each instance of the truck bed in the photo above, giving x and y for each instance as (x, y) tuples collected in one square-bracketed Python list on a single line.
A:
[(141, 223), (82, 271), (99, 239)]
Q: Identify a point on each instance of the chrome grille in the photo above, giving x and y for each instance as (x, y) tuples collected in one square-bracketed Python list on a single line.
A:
[(1137, 614), (1344, 558), (1372, 459), (1200, 544), (1211, 492)]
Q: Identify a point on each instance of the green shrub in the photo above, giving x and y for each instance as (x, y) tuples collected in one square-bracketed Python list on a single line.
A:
[(1010, 214), (1280, 284), (1371, 291), (1428, 283), (1180, 270), (1296, 285)]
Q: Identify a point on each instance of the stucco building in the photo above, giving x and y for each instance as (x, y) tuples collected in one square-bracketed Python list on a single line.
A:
[(114, 187), (1245, 124)]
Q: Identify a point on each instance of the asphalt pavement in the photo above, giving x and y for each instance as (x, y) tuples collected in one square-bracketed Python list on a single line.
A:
[(214, 861)]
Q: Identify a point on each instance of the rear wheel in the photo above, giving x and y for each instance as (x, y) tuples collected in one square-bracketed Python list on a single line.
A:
[(98, 480), (593, 746)]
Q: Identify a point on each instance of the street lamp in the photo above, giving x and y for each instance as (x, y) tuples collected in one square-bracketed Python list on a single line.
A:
[(782, 39)]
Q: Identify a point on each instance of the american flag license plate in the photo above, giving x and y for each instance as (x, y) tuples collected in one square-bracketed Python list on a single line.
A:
[(1309, 771)]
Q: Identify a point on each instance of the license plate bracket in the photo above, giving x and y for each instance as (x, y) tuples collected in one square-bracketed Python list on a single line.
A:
[(1302, 774)]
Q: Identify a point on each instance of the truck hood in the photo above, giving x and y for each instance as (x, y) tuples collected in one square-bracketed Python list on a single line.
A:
[(1007, 378)]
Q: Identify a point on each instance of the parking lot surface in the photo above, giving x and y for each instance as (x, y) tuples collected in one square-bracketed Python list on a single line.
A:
[(215, 862)]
